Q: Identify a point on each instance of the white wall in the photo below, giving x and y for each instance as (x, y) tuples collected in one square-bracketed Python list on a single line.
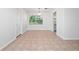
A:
[(71, 23), (68, 23), (12, 23), (18, 24), (60, 23), (8, 21), (47, 22), (23, 20)]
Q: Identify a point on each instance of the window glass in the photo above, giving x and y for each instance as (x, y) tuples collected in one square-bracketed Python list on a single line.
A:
[(35, 19)]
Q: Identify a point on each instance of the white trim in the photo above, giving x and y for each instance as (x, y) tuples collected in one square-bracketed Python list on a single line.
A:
[(60, 36), (66, 38), (7, 43)]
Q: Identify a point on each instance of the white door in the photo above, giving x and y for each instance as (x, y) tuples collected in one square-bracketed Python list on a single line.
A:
[(18, 24)]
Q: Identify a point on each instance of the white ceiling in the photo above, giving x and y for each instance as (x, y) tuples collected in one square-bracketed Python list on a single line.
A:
[(36, 10)]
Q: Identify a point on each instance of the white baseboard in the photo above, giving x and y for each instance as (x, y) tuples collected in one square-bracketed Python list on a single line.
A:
[(7, 43), (60, 36), (66, 38)]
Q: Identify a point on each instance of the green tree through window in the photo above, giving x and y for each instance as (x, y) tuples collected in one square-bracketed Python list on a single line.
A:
[(35, 19)]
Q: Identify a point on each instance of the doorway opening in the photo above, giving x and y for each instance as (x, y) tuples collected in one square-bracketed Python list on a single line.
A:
[(54, 20)]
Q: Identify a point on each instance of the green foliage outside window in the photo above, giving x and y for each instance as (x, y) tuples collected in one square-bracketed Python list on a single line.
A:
[(35, 19)]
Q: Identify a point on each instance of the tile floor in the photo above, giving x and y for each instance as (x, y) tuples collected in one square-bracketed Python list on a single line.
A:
[(42, 41)]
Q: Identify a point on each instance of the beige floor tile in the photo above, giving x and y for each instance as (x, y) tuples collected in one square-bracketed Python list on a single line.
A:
[(42, 41)]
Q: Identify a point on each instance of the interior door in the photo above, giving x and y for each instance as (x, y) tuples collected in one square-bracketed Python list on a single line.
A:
[(18, 24)]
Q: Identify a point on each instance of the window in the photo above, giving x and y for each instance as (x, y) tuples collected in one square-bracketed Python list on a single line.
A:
[(35, 19)]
